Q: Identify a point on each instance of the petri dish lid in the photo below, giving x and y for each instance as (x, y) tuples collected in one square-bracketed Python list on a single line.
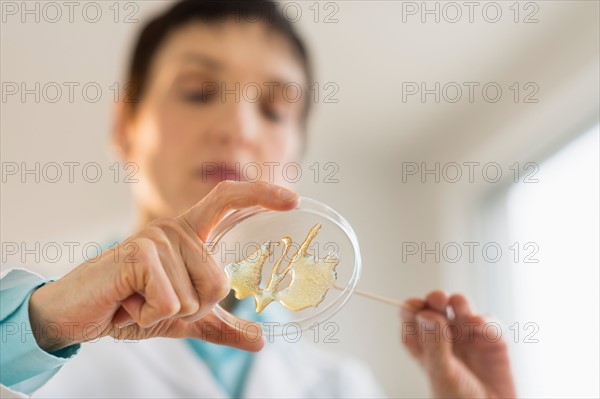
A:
[(257, 235)]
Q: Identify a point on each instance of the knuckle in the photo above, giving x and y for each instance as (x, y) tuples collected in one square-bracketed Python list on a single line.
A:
[(153, 231), (163, 226), (220, 287), (159, 237), (183, 226), (170, 308), (223, 187), (163, 245), (214, 291), (159, 223), (144, 253), (262, 185), (189, 306), (257, 188), (145, 322)]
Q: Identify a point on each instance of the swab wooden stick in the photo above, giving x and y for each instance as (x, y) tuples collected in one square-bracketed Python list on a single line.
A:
[(380, 298)]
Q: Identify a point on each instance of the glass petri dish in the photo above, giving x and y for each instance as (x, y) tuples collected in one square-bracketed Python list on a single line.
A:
[(242, 233)]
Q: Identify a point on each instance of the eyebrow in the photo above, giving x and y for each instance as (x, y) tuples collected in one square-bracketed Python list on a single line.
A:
[(204, 60), (211, 63)]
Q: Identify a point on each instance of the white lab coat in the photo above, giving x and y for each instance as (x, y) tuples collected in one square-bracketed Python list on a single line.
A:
[(163, 367)]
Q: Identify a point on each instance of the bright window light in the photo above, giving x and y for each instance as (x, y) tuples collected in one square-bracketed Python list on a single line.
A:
[(560, 292)]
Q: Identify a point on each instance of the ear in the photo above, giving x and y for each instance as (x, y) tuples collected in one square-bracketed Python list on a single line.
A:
[(120, 140)]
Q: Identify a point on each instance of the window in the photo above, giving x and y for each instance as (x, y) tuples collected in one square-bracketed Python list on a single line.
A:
[(559, 295)]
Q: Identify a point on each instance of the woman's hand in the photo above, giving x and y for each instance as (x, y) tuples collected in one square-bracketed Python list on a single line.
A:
[(461, 358), (159, 282)]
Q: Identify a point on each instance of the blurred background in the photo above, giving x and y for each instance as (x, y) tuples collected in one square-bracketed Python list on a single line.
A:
[(460, 141)]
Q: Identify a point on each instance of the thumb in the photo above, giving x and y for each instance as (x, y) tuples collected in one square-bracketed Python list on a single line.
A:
[(228, 195), (435, 340)]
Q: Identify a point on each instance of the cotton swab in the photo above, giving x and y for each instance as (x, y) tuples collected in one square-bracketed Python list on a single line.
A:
[(380, 298)]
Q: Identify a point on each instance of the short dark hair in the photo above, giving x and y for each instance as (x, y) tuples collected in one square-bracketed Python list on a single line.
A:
[(156, 30)]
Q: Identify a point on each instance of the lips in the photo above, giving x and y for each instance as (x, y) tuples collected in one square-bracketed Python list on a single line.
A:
[(215, 172)]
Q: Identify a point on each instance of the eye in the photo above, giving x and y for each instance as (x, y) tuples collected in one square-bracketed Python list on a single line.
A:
[(271, 113), (201, 97)]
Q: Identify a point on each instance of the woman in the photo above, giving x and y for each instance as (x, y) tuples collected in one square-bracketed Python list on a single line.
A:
[(188, 124)]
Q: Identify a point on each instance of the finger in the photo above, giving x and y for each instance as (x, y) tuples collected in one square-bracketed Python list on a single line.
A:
[(437, 349), (461, 306), (471, 324), (212, 329), (121, 317), (409, 331), (229, 195), (146, 276), (413, 304), (472, 334), (181, 281), (207, 278), (438, 301), (409, 309)]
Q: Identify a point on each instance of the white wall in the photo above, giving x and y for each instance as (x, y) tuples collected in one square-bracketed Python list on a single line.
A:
[(369, 133)]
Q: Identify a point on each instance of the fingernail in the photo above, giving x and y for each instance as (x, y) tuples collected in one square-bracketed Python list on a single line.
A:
[(287, 195)]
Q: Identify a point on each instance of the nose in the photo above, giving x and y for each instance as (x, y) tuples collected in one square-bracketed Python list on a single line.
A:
[(237, 125)]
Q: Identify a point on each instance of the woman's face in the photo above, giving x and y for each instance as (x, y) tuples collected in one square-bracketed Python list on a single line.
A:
[(221, 104)]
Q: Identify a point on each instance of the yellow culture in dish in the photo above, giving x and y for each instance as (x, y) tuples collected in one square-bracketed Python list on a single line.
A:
[(311, 277)]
